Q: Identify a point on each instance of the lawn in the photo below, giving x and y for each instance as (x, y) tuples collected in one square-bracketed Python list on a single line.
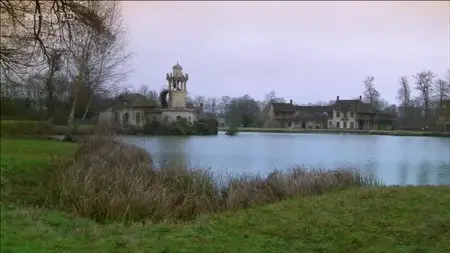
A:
[(389, 219)]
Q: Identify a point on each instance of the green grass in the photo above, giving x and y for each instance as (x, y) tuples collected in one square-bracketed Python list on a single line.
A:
[(363, 220), (24, 164), (352, 131), (393, 220)]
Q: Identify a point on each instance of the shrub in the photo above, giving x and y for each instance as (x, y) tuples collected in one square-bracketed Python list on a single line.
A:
[(13, 127), (207, 126), (181, 127), (232, 131), (27, 128), (112, 181)]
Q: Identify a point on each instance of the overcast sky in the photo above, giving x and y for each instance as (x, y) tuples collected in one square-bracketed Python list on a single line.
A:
[(305, 51)]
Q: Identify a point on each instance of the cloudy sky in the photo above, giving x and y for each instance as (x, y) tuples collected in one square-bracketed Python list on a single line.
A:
[(305, 51)]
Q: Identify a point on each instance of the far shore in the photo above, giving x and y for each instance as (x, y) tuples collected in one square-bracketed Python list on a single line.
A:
[(342, 131)]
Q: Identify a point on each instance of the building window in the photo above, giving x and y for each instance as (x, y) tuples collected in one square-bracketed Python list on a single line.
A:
[(138, 118), (178, 117), (154, 117), (330, 124), (338, 124), (344, 125), (352, 114), (125, 118), (189, 118), (338, 114), (352, 125)]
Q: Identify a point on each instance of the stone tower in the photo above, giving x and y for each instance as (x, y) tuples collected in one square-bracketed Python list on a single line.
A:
[(177, 87)]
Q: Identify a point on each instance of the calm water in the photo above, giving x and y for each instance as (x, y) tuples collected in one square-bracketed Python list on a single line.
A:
[(393, 159)]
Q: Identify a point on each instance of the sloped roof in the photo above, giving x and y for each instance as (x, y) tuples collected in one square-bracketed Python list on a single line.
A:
[(347, 104), (314, 112), (133, 100), (313, 108), (283, 107), (365, 108), (355, 105)]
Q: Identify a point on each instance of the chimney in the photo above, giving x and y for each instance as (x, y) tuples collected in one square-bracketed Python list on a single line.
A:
[(360, 98), (337, 98), (291, 101)]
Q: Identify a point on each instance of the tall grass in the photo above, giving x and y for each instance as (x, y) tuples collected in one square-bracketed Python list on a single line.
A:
[(109, 181)]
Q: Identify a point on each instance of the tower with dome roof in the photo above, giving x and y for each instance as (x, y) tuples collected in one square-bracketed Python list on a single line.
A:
[(176, 82)]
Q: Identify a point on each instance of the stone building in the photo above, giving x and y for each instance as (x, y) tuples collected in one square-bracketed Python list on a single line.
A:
[(444, 115), (310, 117), (355, 114), (136, 110), (297, 116), (342, 114)]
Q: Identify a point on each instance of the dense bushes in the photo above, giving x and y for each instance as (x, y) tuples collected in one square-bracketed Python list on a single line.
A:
[(182, 127), (12, 128), (19, 110), (107, 181)]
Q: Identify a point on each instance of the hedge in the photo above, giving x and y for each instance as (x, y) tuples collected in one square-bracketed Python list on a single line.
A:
[(19, 127)]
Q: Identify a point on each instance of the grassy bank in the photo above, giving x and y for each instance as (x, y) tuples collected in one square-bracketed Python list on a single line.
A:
[(357, 219), (342, 131)]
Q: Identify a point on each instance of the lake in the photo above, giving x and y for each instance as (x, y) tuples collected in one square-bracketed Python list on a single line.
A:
[(393, 159)]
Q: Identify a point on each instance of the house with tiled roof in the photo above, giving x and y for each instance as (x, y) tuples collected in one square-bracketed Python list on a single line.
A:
[(312, 116), (355, 114), (282, 114), (342, 114), (444, 115)]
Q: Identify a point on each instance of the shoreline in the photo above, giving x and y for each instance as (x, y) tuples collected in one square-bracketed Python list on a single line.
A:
[(341, 131)]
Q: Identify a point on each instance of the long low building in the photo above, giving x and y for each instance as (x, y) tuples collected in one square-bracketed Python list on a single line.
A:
[(343, 113)]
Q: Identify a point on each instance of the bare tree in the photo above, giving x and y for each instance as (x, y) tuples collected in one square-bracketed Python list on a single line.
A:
[(31, 30), (199, 101), (54, 65), (224, 105), (96, 62), (148, 93), (404, 95), (442, 89), (371, 94), (424, 84), (211, 106)]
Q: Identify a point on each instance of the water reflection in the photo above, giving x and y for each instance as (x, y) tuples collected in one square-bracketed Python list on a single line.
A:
[(171, 152), (443, 174), (423, 177), (403, 171), (393, 159)]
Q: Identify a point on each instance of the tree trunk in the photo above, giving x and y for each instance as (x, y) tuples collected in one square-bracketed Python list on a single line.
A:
[(88, 106), (70, 124)]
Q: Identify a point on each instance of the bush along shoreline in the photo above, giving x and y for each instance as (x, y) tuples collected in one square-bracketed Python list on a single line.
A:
[(343, 131), (43, 129), (108, 181), (207, 126), (94, 196)]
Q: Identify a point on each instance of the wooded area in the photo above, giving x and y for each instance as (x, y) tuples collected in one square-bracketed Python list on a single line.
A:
[(59, 69)]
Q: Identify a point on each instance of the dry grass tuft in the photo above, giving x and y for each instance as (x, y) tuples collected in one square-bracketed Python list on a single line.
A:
[(109, 180)]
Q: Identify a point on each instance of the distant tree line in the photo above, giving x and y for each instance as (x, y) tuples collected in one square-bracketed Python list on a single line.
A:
[(60, 70), (420, 100), (420, 104)]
